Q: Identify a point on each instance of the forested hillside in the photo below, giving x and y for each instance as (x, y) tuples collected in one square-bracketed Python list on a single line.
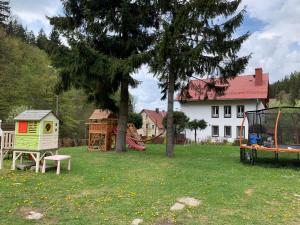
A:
[(287, 90), (28, 81)]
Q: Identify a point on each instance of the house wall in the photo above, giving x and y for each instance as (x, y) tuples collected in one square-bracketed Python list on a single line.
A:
[(152, 129), (203, 110)]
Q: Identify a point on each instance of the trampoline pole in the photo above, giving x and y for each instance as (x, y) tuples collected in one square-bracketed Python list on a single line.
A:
[(276, 133)]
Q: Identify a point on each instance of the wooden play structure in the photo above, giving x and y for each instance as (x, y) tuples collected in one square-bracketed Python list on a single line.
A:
[(7, 139), (36, 134), (102, 127)]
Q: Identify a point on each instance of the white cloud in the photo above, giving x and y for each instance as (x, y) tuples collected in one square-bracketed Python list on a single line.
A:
[(274, 47), (32, 13)]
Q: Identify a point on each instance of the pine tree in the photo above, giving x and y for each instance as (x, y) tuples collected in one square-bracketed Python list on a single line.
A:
[(108, 42), (30, 38), (196, 39), (42, 40), (4, 12)]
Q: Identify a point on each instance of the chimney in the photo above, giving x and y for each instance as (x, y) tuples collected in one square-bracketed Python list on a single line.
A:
[(157, 110), (258, 76)]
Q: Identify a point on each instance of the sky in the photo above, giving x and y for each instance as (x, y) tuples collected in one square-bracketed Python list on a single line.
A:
[(274, 42)]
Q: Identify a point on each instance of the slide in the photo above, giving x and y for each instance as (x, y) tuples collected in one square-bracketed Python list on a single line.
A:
[(134, 145)]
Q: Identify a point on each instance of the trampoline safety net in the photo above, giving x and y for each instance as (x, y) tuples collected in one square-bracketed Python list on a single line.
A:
[(263, 123)]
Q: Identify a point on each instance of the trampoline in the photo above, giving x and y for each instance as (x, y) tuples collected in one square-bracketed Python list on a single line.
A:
[(274, 130)]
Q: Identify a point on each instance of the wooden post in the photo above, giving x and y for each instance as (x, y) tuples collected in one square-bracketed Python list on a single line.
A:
[(58, 167), (37, 162), (14, 161), (1, 158), (69, 164), (44, 166)]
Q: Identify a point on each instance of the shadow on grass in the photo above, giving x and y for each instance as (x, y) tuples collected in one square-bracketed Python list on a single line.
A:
[(276, 163)]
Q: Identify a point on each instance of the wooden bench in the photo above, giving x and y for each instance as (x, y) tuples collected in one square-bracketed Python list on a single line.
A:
[(57, 159)]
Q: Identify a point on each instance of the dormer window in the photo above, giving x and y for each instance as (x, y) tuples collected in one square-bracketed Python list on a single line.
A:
[(227, 111), (215, 111)]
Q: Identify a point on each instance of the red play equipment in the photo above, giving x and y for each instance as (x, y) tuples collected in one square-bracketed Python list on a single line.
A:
[(133, 140)]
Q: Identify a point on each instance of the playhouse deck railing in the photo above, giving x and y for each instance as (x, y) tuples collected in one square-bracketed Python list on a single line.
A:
[(7, 140)]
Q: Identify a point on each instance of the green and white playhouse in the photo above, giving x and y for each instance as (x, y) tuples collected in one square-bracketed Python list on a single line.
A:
[(36, 130), (36, 134)]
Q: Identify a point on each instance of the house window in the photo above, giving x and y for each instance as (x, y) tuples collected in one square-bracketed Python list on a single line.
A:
[(238, 131), (147, 126), (227, 131), (23, 126), (227, 111), (152, 126), (240, 111), (215, 131), (215, 111)]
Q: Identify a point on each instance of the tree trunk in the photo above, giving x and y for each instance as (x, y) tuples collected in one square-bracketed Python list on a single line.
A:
[(170, 116), (195, 136), (123, 117)]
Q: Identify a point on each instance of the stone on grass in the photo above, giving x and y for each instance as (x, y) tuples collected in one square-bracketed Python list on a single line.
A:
[(137, 221), (177, 206), (191, 202), (34, 215)]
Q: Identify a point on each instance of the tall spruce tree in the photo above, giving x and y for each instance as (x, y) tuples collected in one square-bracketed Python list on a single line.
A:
[(108, 41), (4, 12), (196, 39)]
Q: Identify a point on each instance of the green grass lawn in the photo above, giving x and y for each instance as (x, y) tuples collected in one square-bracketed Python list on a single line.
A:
[(110, 188)]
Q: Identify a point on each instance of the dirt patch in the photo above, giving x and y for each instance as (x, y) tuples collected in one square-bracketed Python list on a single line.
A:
[(249, 192), (164, 222)]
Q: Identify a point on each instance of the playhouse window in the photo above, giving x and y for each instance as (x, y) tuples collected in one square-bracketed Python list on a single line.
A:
[(48, 127), (23, 125), (32, 127)]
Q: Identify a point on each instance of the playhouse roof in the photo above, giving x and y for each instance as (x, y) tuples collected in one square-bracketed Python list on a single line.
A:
[(33, 115), (100, 114)]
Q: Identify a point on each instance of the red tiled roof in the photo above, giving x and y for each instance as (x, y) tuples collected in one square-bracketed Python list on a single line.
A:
[(156, 117), (241, 87)]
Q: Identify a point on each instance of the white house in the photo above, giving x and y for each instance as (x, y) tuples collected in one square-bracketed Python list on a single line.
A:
[(225, 113)]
